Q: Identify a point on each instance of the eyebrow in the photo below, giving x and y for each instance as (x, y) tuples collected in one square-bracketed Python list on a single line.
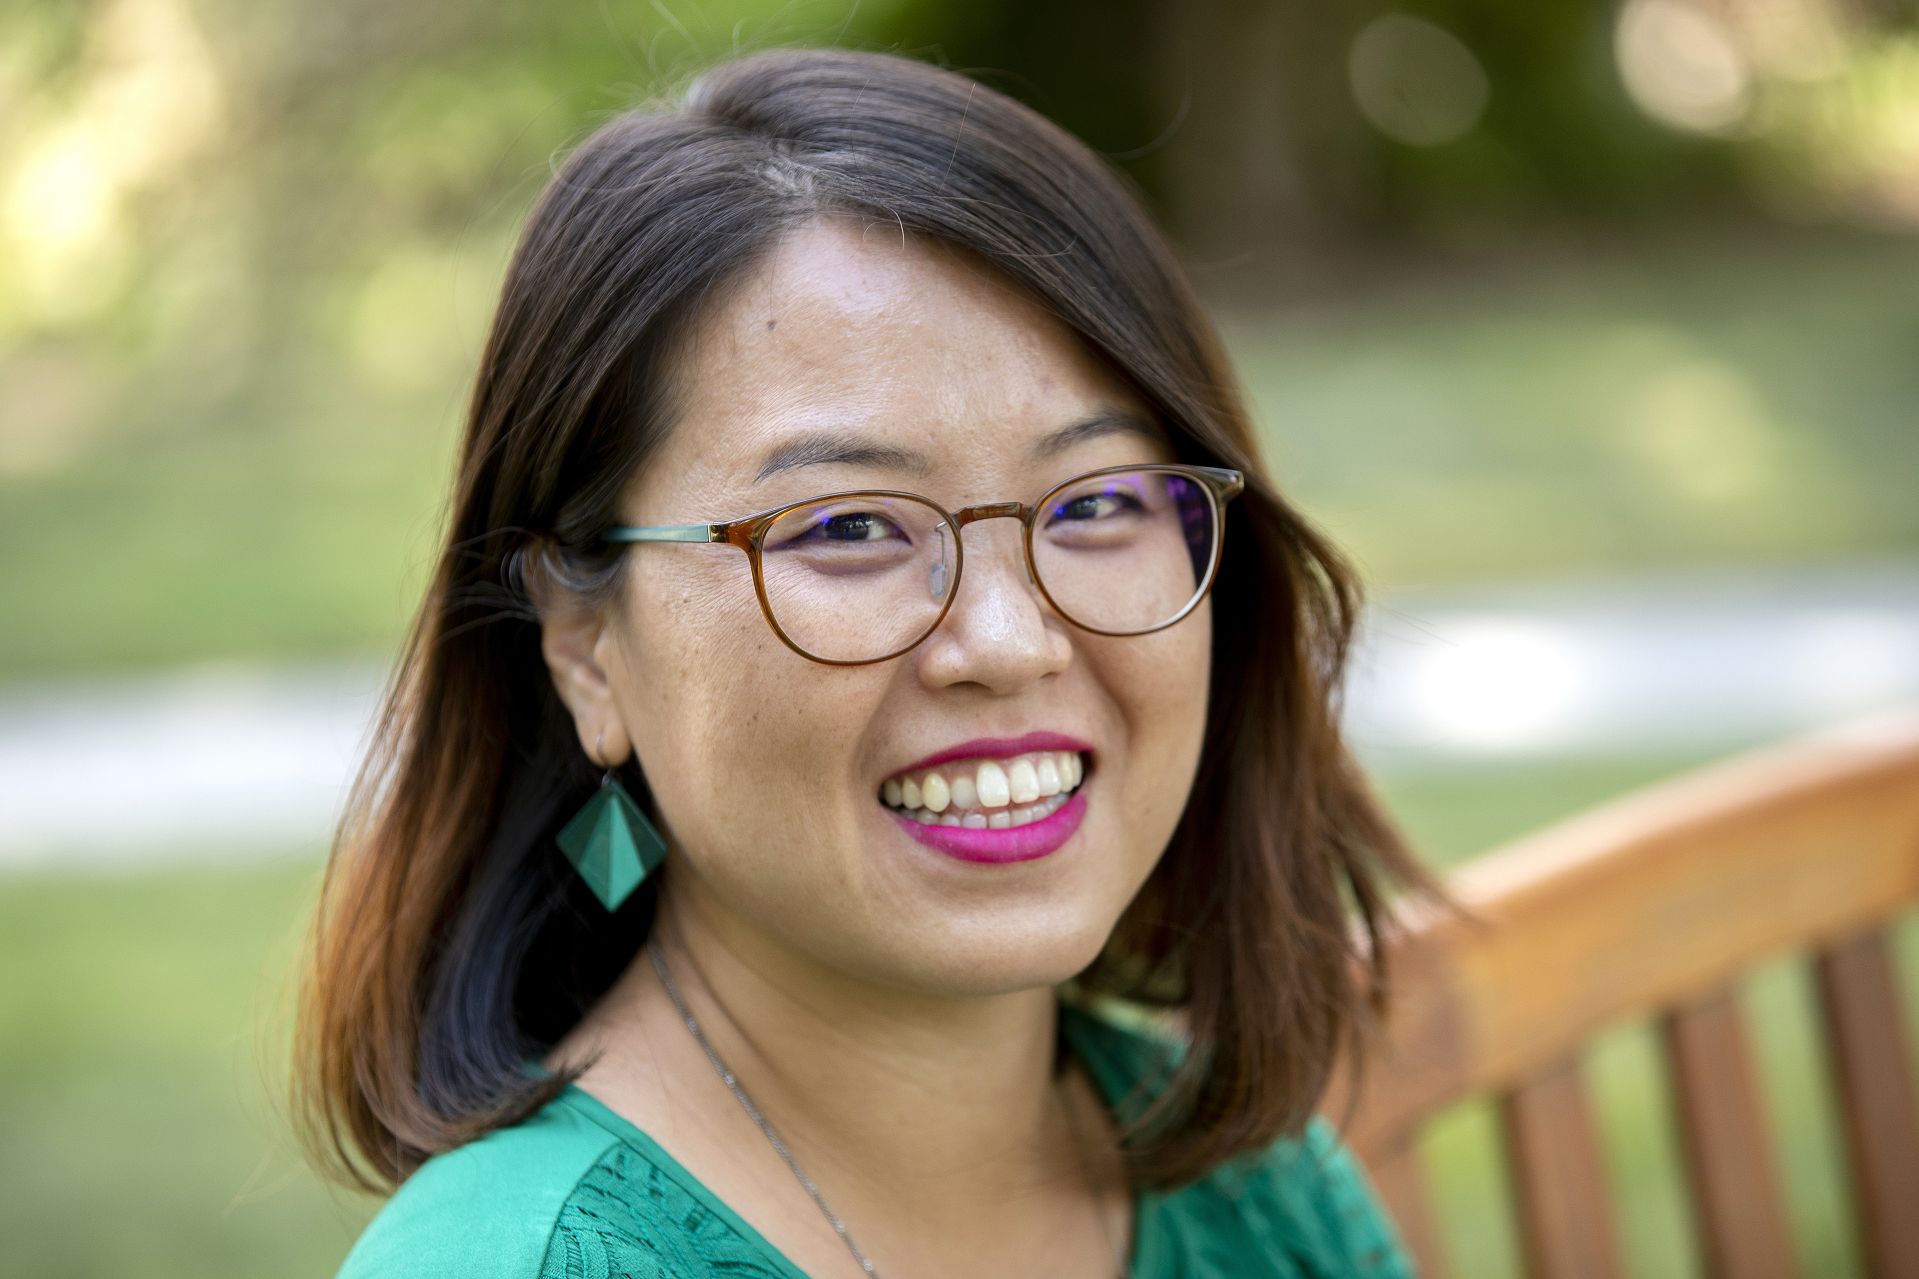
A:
[(818, 448)]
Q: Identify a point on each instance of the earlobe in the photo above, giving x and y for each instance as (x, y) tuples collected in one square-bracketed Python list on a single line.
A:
[(571, 643)]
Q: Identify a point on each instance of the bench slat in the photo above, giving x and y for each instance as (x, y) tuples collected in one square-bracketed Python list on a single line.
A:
[(1559, 1177), (1399, 1175), (1730, 1169), (1597, 920), (1872, 1067), (1629, 910)]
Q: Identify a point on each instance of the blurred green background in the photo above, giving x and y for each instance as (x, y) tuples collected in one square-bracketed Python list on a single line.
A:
[(1524, 294)]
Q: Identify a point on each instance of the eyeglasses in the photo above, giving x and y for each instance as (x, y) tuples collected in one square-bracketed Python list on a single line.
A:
[(853, 578)]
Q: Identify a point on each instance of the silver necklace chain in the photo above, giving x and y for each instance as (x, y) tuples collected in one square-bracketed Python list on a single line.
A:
[(839, 1227)]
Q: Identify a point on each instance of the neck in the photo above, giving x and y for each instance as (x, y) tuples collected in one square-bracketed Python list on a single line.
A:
[(894, 1093), (933, 1111)]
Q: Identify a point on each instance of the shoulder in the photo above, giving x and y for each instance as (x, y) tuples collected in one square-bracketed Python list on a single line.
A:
[(1325, 1206), (1130, 1058), (485, 1210), (1305, 1197)]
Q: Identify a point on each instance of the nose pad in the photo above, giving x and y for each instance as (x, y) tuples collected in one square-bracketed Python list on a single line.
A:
[(936, 575), (939, 579)]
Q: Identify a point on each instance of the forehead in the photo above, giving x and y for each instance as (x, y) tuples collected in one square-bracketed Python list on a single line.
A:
[(847, 331)]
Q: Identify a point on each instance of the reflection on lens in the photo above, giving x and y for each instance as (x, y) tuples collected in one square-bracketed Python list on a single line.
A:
[(1126, 552), (856, 578)]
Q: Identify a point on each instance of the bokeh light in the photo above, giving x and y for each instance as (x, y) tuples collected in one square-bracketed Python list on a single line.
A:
[(1682, 65), (1415, 81)]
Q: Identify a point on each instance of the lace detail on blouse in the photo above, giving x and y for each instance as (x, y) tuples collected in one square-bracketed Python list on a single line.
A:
[(1305, 1209), (577, 1192), (628, 1220)]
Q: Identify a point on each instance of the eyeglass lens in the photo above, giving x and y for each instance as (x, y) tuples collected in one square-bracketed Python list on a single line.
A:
[(859, 578)]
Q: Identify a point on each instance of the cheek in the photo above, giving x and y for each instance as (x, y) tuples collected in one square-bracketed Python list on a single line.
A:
[(1161, 680), (746, 745), (1161, 684), (691, 649)]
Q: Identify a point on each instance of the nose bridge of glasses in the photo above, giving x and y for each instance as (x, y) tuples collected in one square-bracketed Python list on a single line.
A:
[(996, 510), (990, 510)]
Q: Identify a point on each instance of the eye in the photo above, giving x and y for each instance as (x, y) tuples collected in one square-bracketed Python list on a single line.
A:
[(853, 526), (1090, 507), (836, 529)]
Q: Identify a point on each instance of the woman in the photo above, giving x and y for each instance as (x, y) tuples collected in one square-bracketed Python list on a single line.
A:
[(790, 906)]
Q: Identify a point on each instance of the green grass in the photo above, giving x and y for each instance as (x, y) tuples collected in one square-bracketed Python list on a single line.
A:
[(1687, 402), (139, 1128), (142, 1026), (1691, 402), (286, 543)]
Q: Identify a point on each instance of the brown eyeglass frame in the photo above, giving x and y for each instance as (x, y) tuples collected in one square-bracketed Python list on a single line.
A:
[(748, 533)]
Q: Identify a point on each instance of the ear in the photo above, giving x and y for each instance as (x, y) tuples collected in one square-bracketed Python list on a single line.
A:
[(576, 643)]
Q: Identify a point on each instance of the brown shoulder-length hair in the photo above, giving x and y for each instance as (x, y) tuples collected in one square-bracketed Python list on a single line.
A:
[(452, 940)]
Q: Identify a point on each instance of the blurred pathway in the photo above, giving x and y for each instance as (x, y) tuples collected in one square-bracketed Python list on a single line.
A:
[(242, 761)]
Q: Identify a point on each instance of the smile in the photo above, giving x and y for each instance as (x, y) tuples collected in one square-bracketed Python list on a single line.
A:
[(985, 794), (992, 810)]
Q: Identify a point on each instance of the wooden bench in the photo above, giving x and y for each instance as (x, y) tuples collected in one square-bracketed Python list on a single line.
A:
[(1653, 906)]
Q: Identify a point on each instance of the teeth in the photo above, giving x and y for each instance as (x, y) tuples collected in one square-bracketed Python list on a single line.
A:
[(1023, 779), (993, 791), (1013, 791)]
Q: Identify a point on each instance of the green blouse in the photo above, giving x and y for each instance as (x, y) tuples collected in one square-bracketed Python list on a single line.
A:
[(577, 1192)]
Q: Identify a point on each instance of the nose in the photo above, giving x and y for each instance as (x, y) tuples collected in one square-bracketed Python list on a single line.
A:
[(1000, 632)]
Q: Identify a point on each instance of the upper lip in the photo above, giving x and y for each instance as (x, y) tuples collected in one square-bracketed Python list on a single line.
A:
[(987, 747)]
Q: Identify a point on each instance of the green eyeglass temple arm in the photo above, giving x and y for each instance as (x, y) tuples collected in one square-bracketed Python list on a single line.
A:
[(666, 533)]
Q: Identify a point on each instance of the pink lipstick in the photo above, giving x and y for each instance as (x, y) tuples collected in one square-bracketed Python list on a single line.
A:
[(1008, 844)]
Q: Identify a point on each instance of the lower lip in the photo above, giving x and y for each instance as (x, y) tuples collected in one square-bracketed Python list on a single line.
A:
[(1009, 844)]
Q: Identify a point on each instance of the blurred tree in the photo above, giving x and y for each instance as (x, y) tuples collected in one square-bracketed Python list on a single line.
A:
[(248, 248), (1239, 117)]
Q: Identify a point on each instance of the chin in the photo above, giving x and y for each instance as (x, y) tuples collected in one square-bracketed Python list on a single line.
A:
[(1002, 957)]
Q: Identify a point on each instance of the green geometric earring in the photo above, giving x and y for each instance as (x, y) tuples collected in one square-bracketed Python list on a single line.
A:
[(610, 841)]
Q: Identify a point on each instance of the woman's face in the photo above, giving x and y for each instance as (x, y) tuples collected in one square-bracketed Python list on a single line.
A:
[(770, 770)]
